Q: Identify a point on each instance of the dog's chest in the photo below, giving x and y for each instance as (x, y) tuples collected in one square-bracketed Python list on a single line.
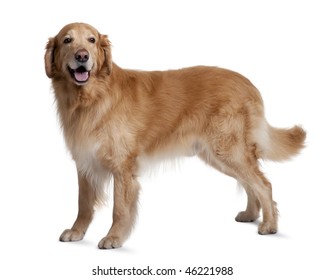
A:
[(88, 163), (85, 156)]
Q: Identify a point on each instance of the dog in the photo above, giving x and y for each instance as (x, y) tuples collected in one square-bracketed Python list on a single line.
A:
[(114, 119)]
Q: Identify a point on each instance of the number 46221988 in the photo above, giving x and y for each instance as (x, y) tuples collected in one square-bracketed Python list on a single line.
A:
[(218, 270)]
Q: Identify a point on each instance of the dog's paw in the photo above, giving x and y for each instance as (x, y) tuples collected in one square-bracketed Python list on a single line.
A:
[(267, 228), (109, 242), (245, 217), (71, 235)]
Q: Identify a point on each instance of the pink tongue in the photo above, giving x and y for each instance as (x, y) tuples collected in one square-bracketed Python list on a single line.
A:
[(81, 76)]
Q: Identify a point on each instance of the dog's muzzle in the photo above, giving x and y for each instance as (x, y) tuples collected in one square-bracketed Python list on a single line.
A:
[(81, 66)]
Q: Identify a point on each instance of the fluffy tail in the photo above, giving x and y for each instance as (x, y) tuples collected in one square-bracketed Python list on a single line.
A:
[(281, 144)]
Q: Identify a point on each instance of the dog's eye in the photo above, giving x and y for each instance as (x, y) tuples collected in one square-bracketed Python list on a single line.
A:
[(92, 40), (67, 40)]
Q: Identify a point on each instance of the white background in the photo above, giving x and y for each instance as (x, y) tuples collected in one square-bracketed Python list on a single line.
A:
[(186, 214)]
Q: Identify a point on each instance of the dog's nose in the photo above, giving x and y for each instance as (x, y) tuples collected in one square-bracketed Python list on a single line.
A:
[(82, 55)]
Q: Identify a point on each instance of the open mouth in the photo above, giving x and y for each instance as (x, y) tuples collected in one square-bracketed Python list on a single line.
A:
[(80, 74)]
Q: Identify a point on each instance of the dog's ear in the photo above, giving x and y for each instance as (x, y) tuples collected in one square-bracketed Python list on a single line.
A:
[(105, 45), (49, 57)]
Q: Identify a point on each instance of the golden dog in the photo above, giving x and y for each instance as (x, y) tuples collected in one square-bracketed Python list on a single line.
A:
[(113, 119)]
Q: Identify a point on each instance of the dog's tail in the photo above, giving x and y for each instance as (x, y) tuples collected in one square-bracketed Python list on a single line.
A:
[(278, 144)]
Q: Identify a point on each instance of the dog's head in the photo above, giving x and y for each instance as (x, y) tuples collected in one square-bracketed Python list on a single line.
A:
[(76, 53)]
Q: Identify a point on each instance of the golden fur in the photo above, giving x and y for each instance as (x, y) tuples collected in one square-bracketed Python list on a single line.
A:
[(113, 118)]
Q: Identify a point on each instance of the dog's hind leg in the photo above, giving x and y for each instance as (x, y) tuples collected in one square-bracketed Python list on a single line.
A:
[(261, 189), (253, 207), (258, 189), (232, 155)]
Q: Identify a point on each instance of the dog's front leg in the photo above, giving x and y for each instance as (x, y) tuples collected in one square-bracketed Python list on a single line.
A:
[(126, 190), (86, 204)]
